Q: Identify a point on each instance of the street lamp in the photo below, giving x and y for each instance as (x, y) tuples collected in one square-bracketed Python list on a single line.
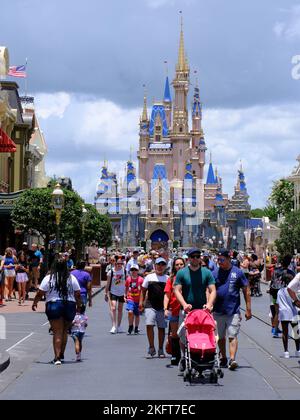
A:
[(213, 238), (83, 221), (234, 241), (220, 244), (58, 201)]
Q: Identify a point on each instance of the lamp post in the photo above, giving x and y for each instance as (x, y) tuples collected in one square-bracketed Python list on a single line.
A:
[(214, 238), (220, 244), (234, 242), (83, 221), (58, 201)]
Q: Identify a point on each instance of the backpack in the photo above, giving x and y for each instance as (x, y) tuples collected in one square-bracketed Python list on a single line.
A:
[(281, 277)]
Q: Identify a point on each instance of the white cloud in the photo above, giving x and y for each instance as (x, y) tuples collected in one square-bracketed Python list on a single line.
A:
[(155, 4), (290, 28), (52, 105), (265, 138)]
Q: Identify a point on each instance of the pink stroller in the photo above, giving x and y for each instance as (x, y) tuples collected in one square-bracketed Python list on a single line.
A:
[(200, 349)]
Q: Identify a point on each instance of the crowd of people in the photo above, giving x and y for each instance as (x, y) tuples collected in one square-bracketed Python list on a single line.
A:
[(166, 287), (162, 285)]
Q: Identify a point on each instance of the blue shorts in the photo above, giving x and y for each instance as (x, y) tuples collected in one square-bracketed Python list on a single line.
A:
[(83, 298), (133, 307), (61, 309), (172, 318), (77, 335)]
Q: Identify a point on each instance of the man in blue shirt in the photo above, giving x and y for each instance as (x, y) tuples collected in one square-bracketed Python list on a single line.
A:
[(229, 281)]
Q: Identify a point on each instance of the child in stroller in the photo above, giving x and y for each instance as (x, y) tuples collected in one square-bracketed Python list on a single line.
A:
[(200, 347)]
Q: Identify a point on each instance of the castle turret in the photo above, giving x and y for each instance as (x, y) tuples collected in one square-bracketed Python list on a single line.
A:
[(181, 87), (144, 139), (168, 103)]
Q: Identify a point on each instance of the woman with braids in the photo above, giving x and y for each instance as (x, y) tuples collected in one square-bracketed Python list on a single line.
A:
[(172, 309), (62, 293)]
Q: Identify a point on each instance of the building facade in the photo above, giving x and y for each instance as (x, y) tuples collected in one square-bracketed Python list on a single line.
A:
[(171, 200), (295, 178), (20, 151)]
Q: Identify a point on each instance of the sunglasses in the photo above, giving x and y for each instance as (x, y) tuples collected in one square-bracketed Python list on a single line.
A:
[(134, 269), (195, 256), (221, 260)]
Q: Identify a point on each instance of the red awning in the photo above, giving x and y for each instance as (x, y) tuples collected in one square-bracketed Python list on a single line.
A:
[(6, 143)]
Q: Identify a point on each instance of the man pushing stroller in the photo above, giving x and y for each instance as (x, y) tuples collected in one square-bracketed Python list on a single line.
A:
[(191, 286)]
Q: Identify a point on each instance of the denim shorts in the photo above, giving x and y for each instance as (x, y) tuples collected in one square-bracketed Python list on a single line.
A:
[(133, 307), (60, 309), (173, 318), (77, 335)]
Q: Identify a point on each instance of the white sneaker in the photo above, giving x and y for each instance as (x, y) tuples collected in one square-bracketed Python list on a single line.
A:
[(297, 353), (120, 330), (286, 355), (113, 330)]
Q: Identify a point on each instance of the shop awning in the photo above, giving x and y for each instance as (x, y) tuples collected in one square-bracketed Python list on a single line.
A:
[(6, 143)]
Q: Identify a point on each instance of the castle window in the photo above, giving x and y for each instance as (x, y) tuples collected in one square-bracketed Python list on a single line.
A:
[(180, 152), (158, 128), (174, 173), (180, 129), (157, 138)]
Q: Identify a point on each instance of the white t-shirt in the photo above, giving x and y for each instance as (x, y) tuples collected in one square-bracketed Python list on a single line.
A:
[(153, 277), (118, 280), (130, 263), (287, 311), (52, 295), (294, 285)]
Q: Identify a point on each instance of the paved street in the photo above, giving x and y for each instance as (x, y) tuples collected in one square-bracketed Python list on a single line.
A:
[(115, 367)]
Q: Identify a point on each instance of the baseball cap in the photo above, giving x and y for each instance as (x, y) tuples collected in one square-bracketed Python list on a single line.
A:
[(134, 267), (160, 260), (224, 253), (25, 243), (193, 251)]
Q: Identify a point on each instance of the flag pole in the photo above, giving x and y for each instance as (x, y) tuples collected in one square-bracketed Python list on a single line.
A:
[(26, 83)]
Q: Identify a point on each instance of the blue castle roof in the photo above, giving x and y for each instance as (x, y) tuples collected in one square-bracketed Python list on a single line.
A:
[(167, 94), (158, 110), (211, 179)]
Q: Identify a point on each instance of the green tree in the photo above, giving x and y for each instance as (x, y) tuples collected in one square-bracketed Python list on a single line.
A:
[(257, 213), (33, 212), (282, 197), (97, 227), (289, 234)]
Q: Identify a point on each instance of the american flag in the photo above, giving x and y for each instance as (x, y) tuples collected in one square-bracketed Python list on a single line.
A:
[(17, 71)]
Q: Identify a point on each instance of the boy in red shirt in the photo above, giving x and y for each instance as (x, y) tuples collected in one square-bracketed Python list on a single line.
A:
[(133, 287)]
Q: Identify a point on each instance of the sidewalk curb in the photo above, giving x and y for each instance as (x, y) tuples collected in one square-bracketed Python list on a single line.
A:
[(98, 291), (4, 360)]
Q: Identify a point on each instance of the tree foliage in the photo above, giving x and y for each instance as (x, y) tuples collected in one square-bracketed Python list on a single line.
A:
[(97, 227), (282, 197), (289, 234), (269, 211), (33, 212)]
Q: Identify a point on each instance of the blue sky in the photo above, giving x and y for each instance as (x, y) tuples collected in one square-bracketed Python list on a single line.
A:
[(88, 61)]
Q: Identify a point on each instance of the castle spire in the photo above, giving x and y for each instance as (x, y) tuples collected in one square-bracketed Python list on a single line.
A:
[(145, 114), (182, 61), (167, 94)]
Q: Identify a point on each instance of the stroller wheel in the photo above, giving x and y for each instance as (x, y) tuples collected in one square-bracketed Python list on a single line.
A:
[(213, 379)]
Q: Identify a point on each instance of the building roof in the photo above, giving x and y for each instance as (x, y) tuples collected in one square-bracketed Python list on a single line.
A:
[(211, 179), (159, 110), (167, 94)]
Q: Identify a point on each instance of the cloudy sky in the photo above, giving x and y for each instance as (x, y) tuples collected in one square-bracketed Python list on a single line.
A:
[(88, 61)]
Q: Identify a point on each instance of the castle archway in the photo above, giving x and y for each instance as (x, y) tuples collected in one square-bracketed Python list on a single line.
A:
[(159, 239)]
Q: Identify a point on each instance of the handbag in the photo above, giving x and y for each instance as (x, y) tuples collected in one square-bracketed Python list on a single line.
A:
[(2, 277)]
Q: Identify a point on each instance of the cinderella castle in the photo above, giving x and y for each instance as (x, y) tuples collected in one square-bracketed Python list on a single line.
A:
[(171, 202)]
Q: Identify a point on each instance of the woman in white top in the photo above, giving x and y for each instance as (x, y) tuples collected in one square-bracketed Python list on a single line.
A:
[(62, 293), (114, 294)]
